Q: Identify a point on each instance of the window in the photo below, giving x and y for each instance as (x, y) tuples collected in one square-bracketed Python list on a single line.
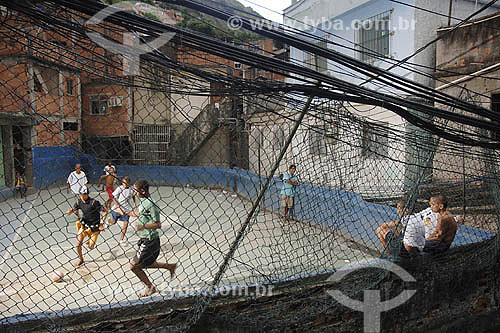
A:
[(375, 141), (321, 62), (495, 107), (151, 144), (99, 105), (279, 138), (258, 137), (70, 126), (70, 88), (309, 60), (278, 45), (372, 37), (38, 84), (314, 61), (46, 80), (253, 48), (322, 137)]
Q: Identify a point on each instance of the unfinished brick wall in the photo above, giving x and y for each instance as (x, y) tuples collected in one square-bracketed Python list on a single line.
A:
[(115, 122)]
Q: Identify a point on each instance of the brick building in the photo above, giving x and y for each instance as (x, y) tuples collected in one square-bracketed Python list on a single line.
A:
[(228, 122), (40, 97), (61, 91)]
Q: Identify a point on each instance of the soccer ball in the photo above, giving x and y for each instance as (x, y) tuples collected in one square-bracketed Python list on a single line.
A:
[(57, 276)]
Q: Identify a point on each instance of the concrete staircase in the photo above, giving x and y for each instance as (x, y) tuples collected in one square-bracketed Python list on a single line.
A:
[(188, 143)]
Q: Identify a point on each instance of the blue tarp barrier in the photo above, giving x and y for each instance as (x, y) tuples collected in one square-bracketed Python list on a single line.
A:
[(345, 212)]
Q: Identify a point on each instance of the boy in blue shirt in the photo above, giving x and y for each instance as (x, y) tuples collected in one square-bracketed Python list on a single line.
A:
[(290, 180)]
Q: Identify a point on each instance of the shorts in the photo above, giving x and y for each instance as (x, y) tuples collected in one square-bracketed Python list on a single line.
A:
[(117, 216), (110, 191), (404, 253), (286, 201), (435, 247), (92, 235), (148, 252), (392, 242), (389, 236), (20, 188)]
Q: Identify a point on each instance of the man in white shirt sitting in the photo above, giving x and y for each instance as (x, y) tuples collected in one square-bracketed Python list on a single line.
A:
[(416, 227)]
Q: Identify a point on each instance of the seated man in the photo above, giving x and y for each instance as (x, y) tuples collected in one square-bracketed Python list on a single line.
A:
[(20, 184), (390, 230), (444, 234), (414, 236)]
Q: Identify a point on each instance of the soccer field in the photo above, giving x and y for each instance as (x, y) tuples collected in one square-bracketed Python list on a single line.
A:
[(198, 228)]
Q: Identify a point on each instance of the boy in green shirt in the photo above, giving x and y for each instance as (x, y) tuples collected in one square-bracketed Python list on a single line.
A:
[(149, 245)]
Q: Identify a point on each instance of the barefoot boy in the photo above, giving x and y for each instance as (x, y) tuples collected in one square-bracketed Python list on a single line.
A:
[(149, 245), (122, 206), (106, 172), (440, 240), (88, 226), (110, 182)]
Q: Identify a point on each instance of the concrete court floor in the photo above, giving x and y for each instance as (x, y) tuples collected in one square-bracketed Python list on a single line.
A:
[(198, 228)]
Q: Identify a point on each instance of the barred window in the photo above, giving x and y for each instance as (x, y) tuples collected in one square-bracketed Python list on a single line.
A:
[(309, 60), (375, 140), (151, 144), (372, 37), (314, 61), (321, 62), (70, 87)]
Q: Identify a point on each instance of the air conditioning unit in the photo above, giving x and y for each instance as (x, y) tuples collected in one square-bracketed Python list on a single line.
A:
[(237, 65), (115, 101)]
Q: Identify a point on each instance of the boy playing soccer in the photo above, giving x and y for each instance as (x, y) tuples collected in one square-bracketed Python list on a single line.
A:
[(110, 181), (149, 245), (121, 200), (90, 225)]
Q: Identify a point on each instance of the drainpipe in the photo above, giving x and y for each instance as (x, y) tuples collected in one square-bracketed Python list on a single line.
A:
[(449, 13)]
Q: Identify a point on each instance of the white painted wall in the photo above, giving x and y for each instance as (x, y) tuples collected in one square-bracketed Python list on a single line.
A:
[(344, 166)]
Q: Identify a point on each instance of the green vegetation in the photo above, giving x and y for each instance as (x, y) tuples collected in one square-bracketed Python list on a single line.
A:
[(206, 25), (151, 16)]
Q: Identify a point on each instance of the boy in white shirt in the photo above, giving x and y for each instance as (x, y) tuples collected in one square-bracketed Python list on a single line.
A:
[(76, 180), (122, 206)]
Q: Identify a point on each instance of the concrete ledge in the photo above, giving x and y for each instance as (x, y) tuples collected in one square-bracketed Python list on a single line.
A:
[(6, 193), (456, 292)]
